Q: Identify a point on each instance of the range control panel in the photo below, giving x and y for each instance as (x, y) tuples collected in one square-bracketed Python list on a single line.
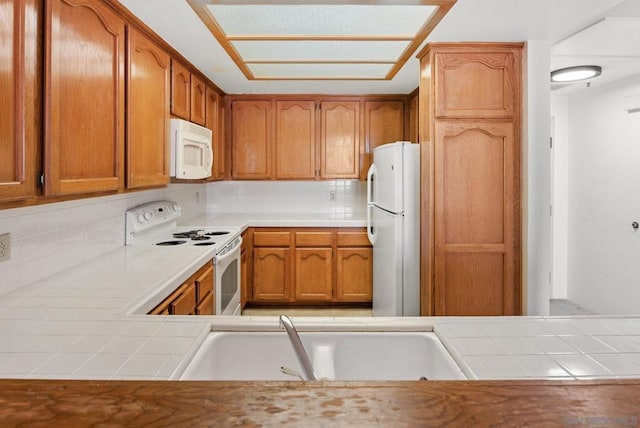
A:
[(150, 215)]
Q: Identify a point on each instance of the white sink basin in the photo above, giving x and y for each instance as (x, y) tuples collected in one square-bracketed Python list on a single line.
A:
[(339, 356)]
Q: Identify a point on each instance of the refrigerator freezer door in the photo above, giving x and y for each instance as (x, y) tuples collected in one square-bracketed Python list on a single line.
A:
[(387, 186), (387, 263)]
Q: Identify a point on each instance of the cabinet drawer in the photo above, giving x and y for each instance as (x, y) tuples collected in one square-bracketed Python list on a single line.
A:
[(271, 239), (353, 239), (184, 304), (314, 239), (204, 281), (206, 305)]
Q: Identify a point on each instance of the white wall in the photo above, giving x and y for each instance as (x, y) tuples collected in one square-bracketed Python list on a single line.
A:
[(287, 197), (47, 239), (536, 175), (604, 199), (560, 193)]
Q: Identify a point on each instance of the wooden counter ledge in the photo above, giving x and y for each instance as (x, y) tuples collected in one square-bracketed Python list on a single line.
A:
[(50, 403)]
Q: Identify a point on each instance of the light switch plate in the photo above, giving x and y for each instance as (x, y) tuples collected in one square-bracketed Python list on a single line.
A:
[(5, 247)]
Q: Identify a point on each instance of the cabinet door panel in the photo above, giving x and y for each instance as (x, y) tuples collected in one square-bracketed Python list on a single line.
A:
[(354, 273), (314, 274), (180, 91), (476, 84), (475, 199), (251, 135), (340, 145), (185, 303), (147, 112), (271, 274), (384, 122), (84, 109), (198, 101), (295, 139)]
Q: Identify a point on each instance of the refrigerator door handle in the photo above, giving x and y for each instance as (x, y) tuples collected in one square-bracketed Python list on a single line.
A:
[(371, 175), (370, 232)]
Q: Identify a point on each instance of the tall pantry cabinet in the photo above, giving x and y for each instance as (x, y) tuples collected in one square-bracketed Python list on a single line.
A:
[(470, 97)]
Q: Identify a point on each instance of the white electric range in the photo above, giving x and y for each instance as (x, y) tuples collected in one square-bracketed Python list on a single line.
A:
[(155, 224)]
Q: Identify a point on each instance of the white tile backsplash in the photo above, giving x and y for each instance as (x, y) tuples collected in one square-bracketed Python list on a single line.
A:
[(286, 196), (48, 239)]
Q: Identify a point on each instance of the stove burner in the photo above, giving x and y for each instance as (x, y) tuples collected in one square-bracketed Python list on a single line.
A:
[(170, 243), (202, 244), (189, 234), (222, 232), (199, 237)]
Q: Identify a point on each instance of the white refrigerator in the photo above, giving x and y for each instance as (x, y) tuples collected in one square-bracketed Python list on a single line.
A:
[(393, 227)]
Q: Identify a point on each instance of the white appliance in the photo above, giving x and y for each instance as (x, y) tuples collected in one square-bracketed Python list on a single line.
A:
[(393, 227), (191, 150), (155, 224)]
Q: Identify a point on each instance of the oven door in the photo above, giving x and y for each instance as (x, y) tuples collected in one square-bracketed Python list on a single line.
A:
[(228, 279)]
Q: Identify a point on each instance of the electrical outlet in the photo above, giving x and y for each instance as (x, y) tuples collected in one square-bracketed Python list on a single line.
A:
[(332, 195), (5, 247)]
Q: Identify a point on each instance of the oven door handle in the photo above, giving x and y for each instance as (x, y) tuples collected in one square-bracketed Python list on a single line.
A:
[(230, 254)]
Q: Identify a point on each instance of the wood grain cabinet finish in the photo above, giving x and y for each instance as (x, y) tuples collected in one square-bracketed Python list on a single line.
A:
[(482, 83), (148, 92), (414, 131), (471, 221), (354, 274), (20, 59), (195, 296), (180, 90), (271, 274), (340, 139), (311, 265), (384, 122), (198, 100), (84, 102), (314, 274), (251, 139), (214, 105), (295, 148)]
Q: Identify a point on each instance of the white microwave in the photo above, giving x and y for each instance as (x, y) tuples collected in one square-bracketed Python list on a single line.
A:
[(191, 150)]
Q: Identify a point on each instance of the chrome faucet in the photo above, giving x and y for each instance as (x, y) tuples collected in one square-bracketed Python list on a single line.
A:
[(298, 348)]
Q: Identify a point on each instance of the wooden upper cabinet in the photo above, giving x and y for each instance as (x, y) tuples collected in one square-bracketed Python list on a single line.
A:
[(84, 106), (384, 122), (18, 55), (198, 100), (295, 140), (479, 83), (212, 121), (340, 139), (475, 200), (252, 142), (180, 91), (148, 87), (221, 142)]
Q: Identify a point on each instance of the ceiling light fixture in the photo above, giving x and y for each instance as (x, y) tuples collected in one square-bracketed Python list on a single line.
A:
[(575, 74)]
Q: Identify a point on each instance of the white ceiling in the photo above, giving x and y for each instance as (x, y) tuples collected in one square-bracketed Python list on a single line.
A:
[(469, 20)]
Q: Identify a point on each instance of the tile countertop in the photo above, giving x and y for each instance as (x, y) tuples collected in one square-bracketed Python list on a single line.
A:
[(85, 323)]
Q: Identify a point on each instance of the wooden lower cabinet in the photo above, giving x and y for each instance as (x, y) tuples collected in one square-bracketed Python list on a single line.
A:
[(195, 296), (311, 265), (271, 274), (314, 274), (354, 274)]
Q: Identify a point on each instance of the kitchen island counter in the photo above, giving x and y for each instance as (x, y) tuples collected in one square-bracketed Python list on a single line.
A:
[(397, 404)]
